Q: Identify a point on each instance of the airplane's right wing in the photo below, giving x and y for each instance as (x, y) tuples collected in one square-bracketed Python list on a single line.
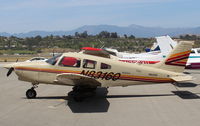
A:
[(95, 52)]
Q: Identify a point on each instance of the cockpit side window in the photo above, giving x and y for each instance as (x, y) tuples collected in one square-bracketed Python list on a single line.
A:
[(70, 62), (198, 50), (105, 66), (53, 60), (90, 64), (192, 51)]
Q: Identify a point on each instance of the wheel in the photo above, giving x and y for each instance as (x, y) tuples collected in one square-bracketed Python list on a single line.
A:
[(31, 93)]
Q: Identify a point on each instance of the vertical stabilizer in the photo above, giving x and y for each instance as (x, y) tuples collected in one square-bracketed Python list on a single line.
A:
[(178, 57), (166, 44)]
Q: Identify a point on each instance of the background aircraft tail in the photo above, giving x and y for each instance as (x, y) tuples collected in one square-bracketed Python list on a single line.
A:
[(166, 44), (178, 57)]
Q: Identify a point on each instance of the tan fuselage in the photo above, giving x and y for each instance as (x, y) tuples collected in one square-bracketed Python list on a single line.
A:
[(120, 74)]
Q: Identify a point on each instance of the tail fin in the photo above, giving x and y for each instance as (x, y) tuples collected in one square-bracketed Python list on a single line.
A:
[(178, 57)]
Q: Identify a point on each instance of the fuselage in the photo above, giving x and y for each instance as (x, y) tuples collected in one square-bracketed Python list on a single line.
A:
[(107, 71)]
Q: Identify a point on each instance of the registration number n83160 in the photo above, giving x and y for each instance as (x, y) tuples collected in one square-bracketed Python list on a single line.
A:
[(107, 75)]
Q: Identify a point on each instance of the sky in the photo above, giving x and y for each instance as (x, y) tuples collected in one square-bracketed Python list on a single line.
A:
[(19, 16)]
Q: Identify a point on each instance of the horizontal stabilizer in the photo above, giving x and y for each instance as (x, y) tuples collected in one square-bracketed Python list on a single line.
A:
[(182, 78)]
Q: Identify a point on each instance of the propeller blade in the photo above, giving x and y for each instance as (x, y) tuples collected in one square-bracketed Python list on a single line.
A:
[(10, 71)]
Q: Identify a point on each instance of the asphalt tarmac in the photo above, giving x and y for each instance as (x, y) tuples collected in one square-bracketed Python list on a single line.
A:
[(145, 105)]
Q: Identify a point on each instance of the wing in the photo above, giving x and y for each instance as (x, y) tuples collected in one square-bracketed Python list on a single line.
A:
[(76, 79), (95, 52)]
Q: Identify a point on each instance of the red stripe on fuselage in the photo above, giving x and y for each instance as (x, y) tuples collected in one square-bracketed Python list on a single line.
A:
[(140, 61), (145, 79)]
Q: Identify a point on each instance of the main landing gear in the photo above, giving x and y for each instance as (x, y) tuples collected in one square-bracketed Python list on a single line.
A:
[(79, 93), (31, 93)]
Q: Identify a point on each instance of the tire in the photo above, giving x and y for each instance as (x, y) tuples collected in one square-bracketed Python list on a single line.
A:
[(31, 93)]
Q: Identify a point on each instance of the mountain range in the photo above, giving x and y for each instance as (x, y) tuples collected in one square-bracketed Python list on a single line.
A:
[(136, 30)]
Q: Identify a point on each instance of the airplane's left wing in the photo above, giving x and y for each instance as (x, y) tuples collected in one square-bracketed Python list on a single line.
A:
[(76, 79)]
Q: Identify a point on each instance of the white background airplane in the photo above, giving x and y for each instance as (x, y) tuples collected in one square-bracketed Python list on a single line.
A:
[(165, 44)]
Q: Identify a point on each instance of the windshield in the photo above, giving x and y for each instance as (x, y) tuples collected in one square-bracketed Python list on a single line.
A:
[(54, 59)]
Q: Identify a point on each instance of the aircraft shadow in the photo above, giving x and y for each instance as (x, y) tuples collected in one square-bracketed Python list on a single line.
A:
[(186, 94), (52, 97), (192, 72), (187, 85), (100, 104), (100, 97), (132, 96), (187, 72), (95, 104)]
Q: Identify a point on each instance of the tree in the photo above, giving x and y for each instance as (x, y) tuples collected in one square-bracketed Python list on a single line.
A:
[(181, 37), (114, 35), (125, 36), (84, 34), (104, 34), (132, 37), (76, 34)]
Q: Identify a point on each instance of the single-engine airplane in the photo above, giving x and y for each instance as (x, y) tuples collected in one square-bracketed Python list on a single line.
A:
[(86, 72)]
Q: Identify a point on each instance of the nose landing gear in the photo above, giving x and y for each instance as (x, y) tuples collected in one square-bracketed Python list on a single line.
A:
[(31, 93)]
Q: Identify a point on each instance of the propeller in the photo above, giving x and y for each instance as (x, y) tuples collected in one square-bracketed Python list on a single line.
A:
[(10, 71)]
